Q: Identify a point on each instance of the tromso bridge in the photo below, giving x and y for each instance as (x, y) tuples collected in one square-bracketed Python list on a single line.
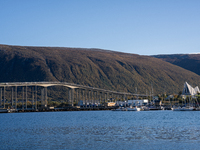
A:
[(76, 94)]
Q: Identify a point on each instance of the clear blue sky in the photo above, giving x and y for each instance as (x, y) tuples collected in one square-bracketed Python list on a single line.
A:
[(145, 27)]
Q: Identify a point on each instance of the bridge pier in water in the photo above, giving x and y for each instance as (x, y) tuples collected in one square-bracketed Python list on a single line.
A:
[(16, 97)]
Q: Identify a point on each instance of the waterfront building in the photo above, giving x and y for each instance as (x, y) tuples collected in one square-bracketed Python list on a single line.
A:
[(138, 102), (189, 90), (111, 104)]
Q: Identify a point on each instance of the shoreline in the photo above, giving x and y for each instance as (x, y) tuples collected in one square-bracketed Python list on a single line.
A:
[(57, 109)]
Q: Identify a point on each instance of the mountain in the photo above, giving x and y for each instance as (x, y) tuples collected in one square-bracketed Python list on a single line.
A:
[(92, 67), (187, 61)]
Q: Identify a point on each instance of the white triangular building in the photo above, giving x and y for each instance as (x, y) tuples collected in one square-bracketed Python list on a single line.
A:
[(189, 90)]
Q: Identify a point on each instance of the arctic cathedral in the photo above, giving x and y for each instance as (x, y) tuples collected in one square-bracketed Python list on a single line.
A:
[(189, 90)]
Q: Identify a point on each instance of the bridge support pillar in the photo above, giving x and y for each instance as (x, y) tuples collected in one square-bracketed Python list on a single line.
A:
[(36, 97), (16, 97), (89, 100), (45, 91), (112, 98), (86, 98), (32, 98), (12, 102), (100, 98), (83, 97), (22, 98), (77, 96), (72, 96), (0, 97), (96, 96), (92, 97), (108, 96), (26, 97), (104, 99), (4, 97), (124, 97), (69, 96), (42, 98)]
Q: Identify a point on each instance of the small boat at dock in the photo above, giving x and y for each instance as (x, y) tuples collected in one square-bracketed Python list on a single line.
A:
[(142, 108), (131, 108), (183, 108), (4, 111)]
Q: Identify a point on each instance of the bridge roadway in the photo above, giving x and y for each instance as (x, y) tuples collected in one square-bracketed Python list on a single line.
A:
[(80, 90)]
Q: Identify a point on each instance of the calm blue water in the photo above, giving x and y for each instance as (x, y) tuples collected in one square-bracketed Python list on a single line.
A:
[(100, 130)]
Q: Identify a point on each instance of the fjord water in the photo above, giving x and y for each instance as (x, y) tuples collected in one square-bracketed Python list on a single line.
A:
[(100, 130)]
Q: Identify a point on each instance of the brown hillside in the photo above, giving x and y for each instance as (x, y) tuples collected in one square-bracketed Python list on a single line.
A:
[(92, 67)]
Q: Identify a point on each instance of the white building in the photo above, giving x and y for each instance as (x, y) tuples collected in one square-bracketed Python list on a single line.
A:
[(138, 102), (189, 90)]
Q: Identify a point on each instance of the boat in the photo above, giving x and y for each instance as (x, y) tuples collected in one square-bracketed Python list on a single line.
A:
[(142, 108), (183, 108), (131, 109), (187, 108), (3, 110), (138, 108), (125, 109), (176, 108), (145, 108)]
